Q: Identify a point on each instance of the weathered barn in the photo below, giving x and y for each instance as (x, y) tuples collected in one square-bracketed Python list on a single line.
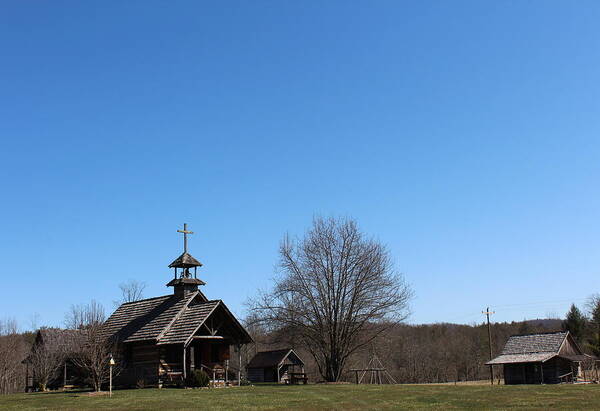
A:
[(165, 338), (539, 358), (276, 366)]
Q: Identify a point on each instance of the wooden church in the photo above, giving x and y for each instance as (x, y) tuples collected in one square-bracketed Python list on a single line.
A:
[(164, 339)]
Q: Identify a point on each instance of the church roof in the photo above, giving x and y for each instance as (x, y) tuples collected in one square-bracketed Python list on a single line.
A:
[(185, 260), (169, 319), (187, 323)]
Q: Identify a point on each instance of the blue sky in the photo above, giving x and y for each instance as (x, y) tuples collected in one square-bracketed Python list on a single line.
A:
[(464, 135)]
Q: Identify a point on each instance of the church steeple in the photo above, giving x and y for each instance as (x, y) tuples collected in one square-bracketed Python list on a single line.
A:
[(184, 283)]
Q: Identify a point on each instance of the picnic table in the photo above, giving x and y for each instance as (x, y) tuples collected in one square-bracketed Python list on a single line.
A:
[(297, 378)]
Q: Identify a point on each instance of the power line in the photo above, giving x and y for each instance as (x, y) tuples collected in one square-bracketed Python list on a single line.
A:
[(542, 302), (507, 307)]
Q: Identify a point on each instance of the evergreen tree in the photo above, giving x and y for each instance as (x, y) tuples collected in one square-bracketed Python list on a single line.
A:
[(575, 323), (594, 310)]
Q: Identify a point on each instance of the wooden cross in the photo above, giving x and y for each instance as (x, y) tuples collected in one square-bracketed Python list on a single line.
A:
[(185, 233)]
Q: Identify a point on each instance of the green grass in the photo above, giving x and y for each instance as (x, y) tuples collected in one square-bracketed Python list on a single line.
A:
[(311, 397)]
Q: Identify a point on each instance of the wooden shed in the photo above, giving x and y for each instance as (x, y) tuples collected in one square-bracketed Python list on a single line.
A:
[(276, 366), (51, 344), (547, 358)]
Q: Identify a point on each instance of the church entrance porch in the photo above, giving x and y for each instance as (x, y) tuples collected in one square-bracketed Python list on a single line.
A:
[(208, 354)]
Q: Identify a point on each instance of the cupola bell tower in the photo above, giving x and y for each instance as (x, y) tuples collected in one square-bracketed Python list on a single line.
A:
[(185, 282)]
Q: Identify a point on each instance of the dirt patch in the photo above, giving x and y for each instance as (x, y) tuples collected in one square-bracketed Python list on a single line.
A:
[(96, 394)]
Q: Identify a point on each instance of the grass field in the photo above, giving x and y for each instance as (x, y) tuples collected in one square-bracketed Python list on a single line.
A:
[(311, 397)]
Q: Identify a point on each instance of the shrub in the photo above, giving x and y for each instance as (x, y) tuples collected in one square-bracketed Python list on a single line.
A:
[(198, 378)]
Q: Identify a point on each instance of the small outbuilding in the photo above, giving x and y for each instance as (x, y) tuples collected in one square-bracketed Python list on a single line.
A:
[(547, 358), (52, 352), (283, 366)]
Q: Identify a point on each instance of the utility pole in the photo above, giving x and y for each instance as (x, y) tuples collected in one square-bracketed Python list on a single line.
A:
[(487, 313)]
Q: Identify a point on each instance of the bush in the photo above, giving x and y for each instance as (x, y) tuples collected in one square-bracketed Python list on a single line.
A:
[(198, 378)]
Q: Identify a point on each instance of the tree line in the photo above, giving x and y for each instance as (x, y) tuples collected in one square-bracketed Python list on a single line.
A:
[(428, 353), (81, 342)]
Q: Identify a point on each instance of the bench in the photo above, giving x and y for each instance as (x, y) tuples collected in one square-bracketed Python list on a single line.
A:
[(297, 378), (175, 377)]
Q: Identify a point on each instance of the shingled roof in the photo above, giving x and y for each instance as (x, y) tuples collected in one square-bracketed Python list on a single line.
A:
[(56, 336), (169, 319), (530, 348), (185, 260), (530, 343), (144, 319), (271, 358), (188, 322), (56, 340)]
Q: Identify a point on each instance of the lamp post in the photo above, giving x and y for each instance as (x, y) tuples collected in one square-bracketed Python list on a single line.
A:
[(111, 363)]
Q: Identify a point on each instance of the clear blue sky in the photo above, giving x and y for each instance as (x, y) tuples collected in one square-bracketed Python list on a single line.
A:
[(464, 135)]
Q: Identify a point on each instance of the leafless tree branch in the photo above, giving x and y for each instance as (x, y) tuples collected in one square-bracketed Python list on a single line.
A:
[(331, 285)]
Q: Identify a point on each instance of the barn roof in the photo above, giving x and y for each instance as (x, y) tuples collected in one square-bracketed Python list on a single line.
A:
[(53, 335), (516, 358), (531, 348), (169, 319), (271, 358), (55, 339), (530, 343)]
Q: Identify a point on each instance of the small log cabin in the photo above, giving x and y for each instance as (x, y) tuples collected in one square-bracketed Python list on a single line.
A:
[(539, 358), (164, 339), (51, 344), (276, 366)]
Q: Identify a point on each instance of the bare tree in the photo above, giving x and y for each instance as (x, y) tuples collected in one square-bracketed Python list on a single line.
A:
[(336, 291), (131, 291), (93, 350), (48, 353), (85, 315), (34, 321), (12, 352), (94, 356)]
